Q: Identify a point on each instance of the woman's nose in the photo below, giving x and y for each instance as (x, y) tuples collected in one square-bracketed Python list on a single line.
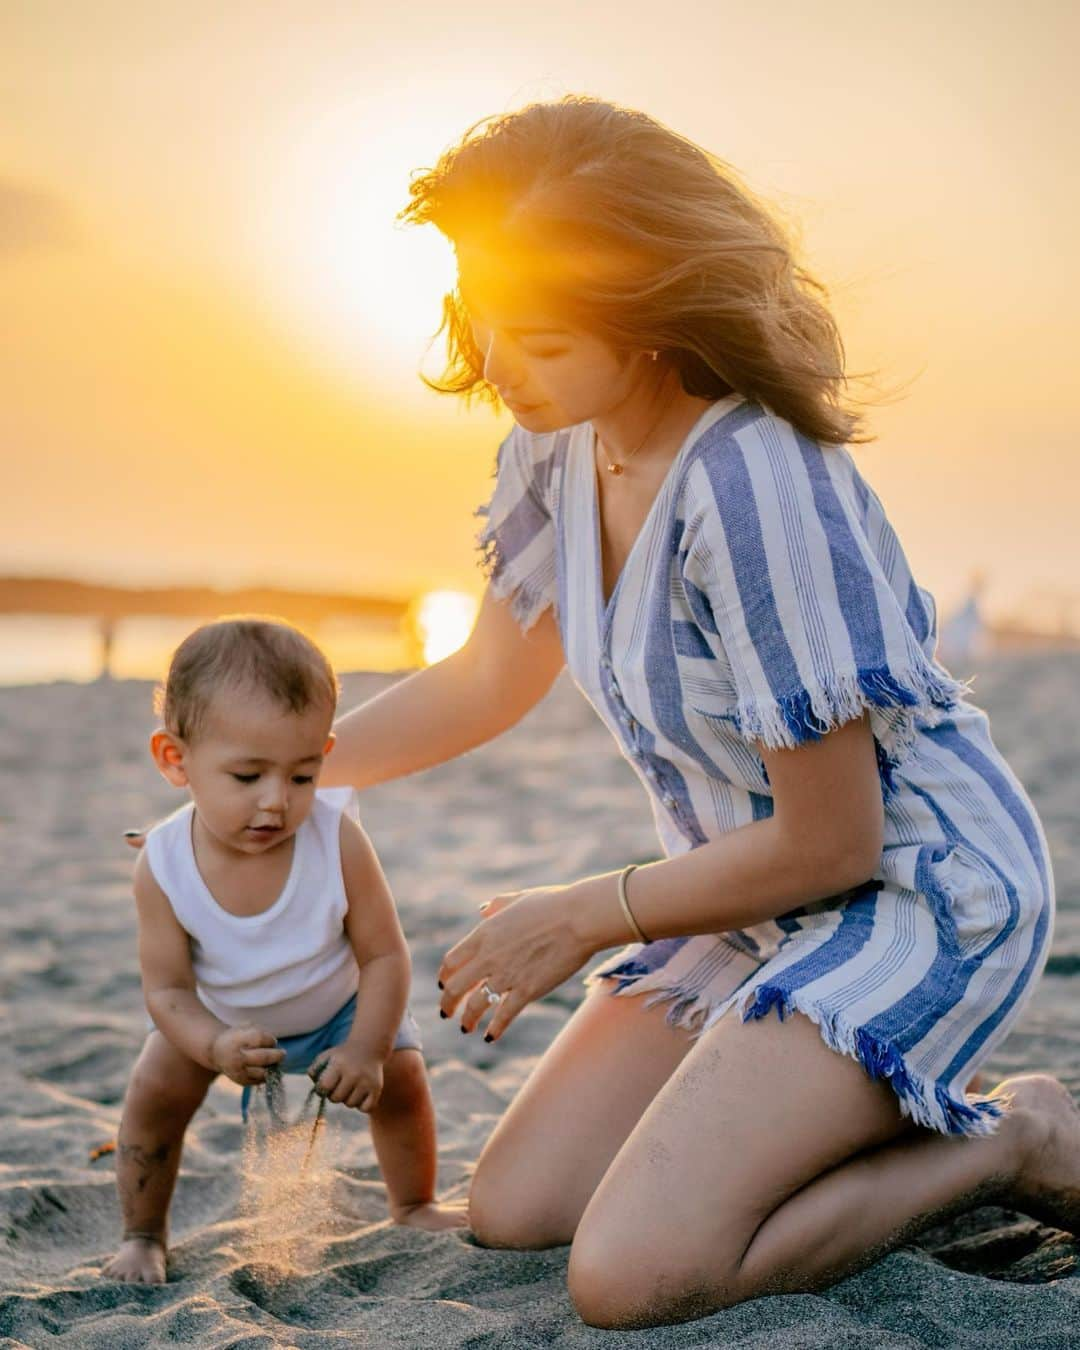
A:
[(500, 367)]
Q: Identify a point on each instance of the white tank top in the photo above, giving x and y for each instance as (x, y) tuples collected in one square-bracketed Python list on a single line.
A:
[(289, 968)]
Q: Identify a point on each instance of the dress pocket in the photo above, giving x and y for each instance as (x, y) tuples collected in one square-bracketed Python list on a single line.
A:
[(970, 901), (979, 899)]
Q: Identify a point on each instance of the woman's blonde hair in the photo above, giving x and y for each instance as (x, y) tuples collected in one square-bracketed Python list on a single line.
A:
[(635, 234)]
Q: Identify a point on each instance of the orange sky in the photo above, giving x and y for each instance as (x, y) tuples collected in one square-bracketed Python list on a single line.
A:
[(213, 330)]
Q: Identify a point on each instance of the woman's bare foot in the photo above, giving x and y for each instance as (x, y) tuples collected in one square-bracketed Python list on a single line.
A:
[(432, 1216), (140, 1260), (1048, 1184)]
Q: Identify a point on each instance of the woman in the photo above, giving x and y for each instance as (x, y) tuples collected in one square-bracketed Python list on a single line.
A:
[(677, 519)]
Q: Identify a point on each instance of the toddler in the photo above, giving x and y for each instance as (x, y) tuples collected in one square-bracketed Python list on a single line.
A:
[(267, 932)]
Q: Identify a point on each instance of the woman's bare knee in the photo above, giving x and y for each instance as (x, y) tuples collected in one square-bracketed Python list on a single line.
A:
[(622, 1280), (505, 1211), (569, 1120)]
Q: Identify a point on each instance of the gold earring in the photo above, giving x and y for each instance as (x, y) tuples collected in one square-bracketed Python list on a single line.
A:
[(653, 356)]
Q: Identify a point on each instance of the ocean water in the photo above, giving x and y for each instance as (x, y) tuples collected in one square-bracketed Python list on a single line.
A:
[(36, 649)]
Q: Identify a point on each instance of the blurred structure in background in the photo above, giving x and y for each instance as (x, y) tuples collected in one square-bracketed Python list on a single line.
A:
[(963, 639), (54, 628)]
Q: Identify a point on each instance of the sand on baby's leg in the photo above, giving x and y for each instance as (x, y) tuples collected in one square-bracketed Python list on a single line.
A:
[(404, 1138), (164, 1092)]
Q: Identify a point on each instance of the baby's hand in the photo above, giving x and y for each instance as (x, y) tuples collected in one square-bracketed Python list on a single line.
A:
[(350, 1075), (243, 1053)]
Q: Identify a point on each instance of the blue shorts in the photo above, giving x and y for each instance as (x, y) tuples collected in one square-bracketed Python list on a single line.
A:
[(301, 1049)]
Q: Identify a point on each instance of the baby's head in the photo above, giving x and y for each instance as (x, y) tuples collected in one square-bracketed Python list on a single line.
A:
[(246, 709)]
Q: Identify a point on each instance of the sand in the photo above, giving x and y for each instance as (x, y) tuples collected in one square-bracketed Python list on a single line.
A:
[(509, 815)]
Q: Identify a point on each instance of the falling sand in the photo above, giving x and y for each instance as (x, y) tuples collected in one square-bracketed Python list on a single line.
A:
[(287, 1182)]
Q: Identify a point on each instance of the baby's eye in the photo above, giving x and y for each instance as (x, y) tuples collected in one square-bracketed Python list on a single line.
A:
[(303, 778), (245, 777), (543, 356)]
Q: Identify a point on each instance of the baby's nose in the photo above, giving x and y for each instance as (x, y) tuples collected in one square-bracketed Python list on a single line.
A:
[(274, 797)]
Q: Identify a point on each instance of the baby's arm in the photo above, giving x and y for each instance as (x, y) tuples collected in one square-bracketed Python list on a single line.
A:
[(168, 982), (353, 1071)]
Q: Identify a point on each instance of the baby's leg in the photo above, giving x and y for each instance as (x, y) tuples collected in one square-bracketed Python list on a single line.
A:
[(403, 1134), (164, 1092)]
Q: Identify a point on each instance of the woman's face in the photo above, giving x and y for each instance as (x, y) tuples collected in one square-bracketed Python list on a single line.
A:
[(548, 374)]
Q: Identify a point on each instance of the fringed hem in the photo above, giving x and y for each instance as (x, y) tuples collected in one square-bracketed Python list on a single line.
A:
[(920, 1099), (526, 603), (688, 1010), (896, 708)]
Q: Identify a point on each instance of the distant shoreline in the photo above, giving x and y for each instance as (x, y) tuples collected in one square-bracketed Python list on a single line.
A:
[(64, 596)]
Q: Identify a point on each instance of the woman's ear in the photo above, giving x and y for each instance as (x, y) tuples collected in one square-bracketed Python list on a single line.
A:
[(331, 738), (168, 752)]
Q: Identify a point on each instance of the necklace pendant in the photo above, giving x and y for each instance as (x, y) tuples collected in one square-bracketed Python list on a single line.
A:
[(615, 468)]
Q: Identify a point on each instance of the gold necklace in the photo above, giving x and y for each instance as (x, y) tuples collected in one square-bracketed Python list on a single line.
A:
[(619, 465)]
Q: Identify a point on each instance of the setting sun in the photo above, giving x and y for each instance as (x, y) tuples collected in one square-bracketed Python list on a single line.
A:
[(364, 288), (443, 622)]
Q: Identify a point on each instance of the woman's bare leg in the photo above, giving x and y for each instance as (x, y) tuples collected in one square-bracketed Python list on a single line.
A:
[(915, 1183), (545, 1157), (164, 1092), (769, 1162), (547, 1153)]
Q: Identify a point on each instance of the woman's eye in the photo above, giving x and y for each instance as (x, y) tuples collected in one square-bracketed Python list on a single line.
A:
[(543, 356), (245, 777), (304, 778)]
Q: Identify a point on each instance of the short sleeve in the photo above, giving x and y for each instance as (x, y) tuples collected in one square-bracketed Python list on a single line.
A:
[(517, 543), (806, 590)]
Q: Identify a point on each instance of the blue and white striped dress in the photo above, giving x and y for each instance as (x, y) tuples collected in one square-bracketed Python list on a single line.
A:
[(767, 596)]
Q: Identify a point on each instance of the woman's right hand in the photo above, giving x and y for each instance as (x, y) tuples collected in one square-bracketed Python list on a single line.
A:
[(244, 1053)]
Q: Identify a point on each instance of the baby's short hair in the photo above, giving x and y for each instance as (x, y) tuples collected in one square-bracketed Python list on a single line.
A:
[(249, 652)]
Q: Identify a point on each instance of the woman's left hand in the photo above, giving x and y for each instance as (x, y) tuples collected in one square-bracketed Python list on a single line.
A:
[(523, 948)]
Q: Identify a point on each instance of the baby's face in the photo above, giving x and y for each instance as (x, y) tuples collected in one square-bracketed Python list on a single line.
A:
[(253, 767)]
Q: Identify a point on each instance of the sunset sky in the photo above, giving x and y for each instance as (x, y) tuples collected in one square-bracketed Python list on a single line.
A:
[(212, 328)]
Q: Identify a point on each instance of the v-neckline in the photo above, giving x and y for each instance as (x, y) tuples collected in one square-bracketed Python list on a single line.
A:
[(607, 606)]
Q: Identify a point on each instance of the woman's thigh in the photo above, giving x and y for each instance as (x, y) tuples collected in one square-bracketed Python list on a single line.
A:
[(756, 1111), (557, 1138)]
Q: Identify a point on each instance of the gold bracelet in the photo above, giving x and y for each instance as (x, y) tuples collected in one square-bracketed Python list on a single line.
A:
[(626, 904)]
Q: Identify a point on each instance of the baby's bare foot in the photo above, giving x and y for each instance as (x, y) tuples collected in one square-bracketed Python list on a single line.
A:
[(140, 1260), (1048, 1184), (432, 1216)]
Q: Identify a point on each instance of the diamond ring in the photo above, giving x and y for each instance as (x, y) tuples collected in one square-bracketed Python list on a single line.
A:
[(489, 993)]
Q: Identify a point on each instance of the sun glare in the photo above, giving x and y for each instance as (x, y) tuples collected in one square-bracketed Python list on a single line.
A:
[(443, 621), (365, 290)]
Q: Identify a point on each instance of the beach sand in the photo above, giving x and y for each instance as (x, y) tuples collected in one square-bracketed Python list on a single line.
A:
[(549, 802)]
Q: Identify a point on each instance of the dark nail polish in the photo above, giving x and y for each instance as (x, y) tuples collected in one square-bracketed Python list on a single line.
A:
[(441, 985), (465, 1029), (488, 1038), (442, 1014), (132, 834)]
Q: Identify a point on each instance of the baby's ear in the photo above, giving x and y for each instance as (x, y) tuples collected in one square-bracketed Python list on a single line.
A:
[(331, 738), (168, 753)]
